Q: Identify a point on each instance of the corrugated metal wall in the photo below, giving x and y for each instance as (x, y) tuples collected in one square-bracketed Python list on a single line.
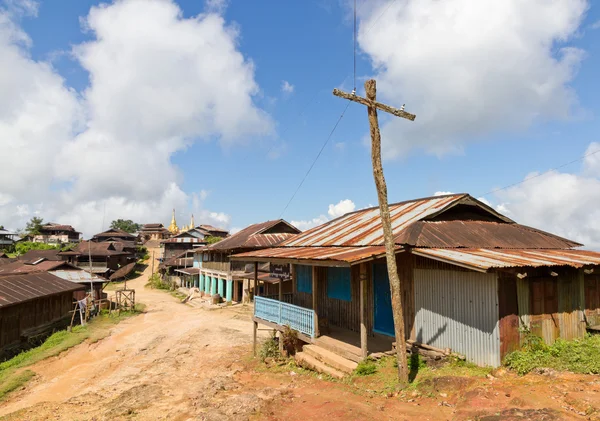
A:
[(458, 310)]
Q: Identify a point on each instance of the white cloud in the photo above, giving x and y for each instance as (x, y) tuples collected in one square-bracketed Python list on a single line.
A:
[(596, 25), (561, 203), (304, 225), (287, 87), (498, 67), (152, 92), (334, 211), (442, 193), (341, 208), (216, 6)]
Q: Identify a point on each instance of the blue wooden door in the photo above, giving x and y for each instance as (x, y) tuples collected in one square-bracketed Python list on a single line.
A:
[(384, 318)]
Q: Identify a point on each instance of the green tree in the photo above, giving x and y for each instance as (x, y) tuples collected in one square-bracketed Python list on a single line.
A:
[(34, 226), (126, 225), (211, 239)]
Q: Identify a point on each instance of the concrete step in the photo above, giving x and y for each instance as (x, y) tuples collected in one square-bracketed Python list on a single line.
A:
[(311, 363), (331, 359), (347, 351)]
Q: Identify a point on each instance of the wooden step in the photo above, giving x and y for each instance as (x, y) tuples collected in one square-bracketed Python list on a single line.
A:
[(331, 359), (347, 351), (311, 363)]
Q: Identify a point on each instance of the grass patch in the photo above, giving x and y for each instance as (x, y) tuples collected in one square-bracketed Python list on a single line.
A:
[(366, 367), (14, 382), (578, 356), (11, 374)]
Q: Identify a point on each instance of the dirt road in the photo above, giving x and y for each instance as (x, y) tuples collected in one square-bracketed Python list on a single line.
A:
[(175, 362), (158, 365)]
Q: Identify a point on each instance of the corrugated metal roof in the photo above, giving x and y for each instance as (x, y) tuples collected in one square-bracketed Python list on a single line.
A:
[(78, 276), (363, 228), (256, 235), (189, 271), (20, 267), (33, 255), (16, 289), (324, 254), (479, 234), (485, 259)]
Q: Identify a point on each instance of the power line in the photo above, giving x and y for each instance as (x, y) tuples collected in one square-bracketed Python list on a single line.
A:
[(354, 38), (379, 17), (541, 174), (315, 160)]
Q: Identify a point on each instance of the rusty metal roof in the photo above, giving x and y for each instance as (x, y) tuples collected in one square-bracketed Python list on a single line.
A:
[(102, 249), (349, 255), (363, 227), (50, 226), (113, 232), (479, 234), (485, 259), (20, 267), (17, 289), (264, 234), (33, 255)]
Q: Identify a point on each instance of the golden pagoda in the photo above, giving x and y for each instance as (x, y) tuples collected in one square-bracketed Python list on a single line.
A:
[(173, 228)]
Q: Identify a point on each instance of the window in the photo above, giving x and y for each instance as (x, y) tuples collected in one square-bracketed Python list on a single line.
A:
[(338, 284), (304, 278)]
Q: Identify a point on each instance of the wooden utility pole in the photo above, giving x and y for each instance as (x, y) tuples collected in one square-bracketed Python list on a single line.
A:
[(390, 252)]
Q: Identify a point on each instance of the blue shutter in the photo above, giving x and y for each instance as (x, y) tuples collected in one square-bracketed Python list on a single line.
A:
[(304, 278), (338, 284)]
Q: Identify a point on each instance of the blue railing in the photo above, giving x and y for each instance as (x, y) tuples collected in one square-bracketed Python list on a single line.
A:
[(298, 318)]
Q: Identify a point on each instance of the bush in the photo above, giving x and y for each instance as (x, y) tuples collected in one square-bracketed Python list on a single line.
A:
[(269, 349), (25, 246), (155, 281), (289, 337), (366, 367), (579, 355)]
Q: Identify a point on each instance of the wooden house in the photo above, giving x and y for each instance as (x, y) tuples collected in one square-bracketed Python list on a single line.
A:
[(7, 239), (103, 257), (52, 233), (32, 306), (231, 280), (155, 231), (473, 281), (113, 235)]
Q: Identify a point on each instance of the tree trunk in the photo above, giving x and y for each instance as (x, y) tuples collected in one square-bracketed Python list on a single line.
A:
[(395, 287)]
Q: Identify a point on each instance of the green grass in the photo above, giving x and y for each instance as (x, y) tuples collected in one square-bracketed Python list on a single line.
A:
[(11, 374), (578, 356), (14, 382), (366, 367)]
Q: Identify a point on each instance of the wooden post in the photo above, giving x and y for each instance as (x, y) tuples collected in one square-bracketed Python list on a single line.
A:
[(254, 338), (280, 290), (314, 300), (395, 287), (256, 294), (363, 317)]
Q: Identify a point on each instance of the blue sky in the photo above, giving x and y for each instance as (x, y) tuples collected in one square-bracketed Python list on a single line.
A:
[(309, 44)]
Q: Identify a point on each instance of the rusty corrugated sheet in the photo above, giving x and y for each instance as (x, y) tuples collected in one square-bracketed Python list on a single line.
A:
[(332, 254), (256, 236), (79, 276), (16, 289), (479, 234), (363, 228), (484, 259)]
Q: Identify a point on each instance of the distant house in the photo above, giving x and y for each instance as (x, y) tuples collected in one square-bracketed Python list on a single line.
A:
[(52, 233), (104, 257), (7, 239), (156, 231), (32, 306), (188, 240), (114, 234), (209, 230), (473, 281), (219, 275)]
